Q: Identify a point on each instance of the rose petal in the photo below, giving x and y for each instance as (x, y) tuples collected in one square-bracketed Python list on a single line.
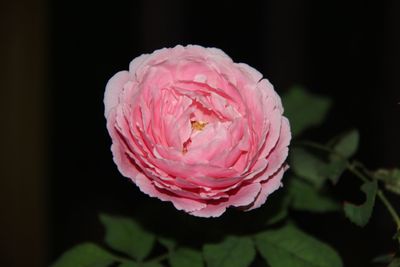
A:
[(280, 152), (269, 186), (180, 203), (210, 211), (245, 195), (113, 89)]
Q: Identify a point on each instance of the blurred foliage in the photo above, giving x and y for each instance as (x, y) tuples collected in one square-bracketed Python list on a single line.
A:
[(390, 178), (360, 214), (289, 246), (304, 110)]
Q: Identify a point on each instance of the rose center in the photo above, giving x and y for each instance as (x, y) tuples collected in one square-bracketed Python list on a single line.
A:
[(196, 126)]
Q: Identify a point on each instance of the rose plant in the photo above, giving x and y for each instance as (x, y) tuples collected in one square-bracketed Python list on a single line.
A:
[(190, 126)]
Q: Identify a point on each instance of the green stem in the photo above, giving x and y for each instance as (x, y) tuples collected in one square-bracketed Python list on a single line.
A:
[(353, 169), (126, 260), (123, 259), (390, 208), (380, 194), (356, 172), (318, 146), (159, 258)]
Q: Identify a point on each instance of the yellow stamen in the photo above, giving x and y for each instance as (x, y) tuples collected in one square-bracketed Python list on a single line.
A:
[(198, 125)]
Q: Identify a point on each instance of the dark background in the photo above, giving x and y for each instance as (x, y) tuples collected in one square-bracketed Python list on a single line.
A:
[(56, 166)]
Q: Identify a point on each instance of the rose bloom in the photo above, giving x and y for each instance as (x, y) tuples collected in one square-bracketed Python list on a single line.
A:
[(190, 126)]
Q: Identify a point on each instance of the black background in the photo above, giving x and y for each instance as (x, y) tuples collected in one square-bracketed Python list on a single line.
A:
[(349, 50), (344, 49)]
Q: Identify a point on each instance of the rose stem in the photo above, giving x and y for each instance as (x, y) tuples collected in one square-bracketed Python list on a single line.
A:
[(352, 168), (159, 258)]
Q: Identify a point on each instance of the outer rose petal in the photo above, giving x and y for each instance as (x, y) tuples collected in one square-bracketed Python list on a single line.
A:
[(113, 90), (252, 72), (243, 197), (125, 167), (267, 188), (210, 211), (136, 63), (278, 156), (180, 203)]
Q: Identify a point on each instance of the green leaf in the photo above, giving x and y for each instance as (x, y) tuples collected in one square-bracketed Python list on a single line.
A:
[(232, 252), (291, 247), (313, 168), (85, 255), (395, 263), (334, 169), (345, 147), (360, 214), (278, 209), (168, 243), (308, 166), (125, 235), (129, 264), (347, 144), (140, 264), (304, 109), (390, 178), (185, 257), (307, 198)]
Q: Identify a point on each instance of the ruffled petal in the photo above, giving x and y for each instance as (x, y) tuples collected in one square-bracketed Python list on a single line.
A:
[(267, 187), (180, 203), (113, 89)]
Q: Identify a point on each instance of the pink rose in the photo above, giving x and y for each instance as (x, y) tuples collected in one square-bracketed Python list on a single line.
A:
[(190, 126)]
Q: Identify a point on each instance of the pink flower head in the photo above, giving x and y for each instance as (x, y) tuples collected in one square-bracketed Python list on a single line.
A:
[(190, 126)]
